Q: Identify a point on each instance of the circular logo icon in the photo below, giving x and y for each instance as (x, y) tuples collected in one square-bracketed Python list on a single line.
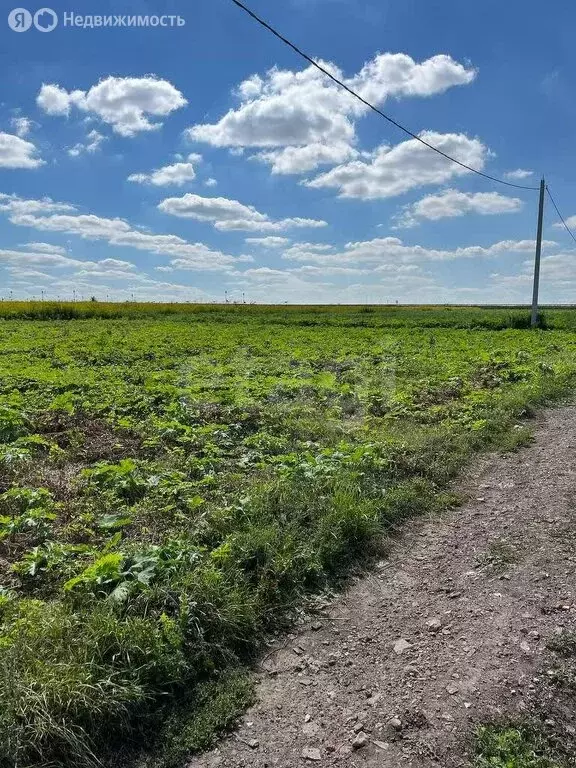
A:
[(45, 20), (19, 20)]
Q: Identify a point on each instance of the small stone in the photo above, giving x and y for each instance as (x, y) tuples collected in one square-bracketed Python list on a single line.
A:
[(360, 741), (395, 723), (433, 625), (525, 647), (311, 753), (401, 645), (452, 689), (316, 626), (253, 743), (307, 718), (358, 727), (381, 744)]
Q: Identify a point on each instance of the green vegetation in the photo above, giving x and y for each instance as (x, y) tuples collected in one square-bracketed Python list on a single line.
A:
[(419, 316), (564, 644), (546, 739), (175, 480), (499, 556), (509, 747)]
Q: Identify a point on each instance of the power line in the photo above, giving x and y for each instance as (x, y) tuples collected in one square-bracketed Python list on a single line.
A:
[(560, 215), (368, 104)]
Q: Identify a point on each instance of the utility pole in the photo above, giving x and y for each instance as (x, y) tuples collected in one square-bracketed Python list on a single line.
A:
[(534, 318)]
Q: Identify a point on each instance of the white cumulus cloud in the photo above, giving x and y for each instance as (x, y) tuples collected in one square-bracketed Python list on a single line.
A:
[(570, 222), (383, 253), (92, 143), (14, 205), (451, 203), (55, 100), (301, 159), (271, 241), (176, 174), (227, 214), (125, 103), (47, 216), (16, 152), (518, 175), (391, 171), (307, 112), (44, 248), (40, 257)]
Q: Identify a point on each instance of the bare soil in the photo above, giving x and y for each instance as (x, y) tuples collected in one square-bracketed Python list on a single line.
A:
[(447, 632)]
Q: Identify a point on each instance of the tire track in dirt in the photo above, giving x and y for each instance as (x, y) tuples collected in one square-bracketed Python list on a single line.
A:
[(448, 631)]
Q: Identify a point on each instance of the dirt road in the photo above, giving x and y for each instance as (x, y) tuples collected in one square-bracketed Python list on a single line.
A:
[(448, 631)]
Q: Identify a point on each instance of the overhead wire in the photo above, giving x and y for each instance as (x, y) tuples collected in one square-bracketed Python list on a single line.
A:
[(378, 111), (391, 120), (567, 228)]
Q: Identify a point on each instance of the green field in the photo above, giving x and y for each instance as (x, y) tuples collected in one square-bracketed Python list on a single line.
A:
[(176, 480)]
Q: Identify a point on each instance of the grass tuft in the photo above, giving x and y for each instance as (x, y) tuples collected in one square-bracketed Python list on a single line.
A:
[(513, 747)]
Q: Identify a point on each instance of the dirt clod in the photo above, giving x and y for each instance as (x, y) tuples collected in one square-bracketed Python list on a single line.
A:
[(401, 645), (434, 625), (360, 740), (311, 753)]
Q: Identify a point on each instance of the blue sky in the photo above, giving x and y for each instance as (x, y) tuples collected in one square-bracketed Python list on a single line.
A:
[(183, 162)]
